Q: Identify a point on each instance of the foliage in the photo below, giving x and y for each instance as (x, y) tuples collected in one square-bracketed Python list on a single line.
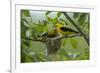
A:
[(33, 50)]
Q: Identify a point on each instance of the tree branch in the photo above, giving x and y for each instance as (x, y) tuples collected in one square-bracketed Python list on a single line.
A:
[(77, 27), (71, 36), (33, 39), (58, 37)]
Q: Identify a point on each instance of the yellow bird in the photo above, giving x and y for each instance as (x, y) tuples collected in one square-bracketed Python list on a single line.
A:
[(64, 31)]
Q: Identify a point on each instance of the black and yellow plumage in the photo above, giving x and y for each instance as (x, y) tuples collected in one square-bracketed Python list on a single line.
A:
[(64, 31)]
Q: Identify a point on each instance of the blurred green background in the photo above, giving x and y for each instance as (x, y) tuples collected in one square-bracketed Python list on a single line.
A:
[(35, 23)]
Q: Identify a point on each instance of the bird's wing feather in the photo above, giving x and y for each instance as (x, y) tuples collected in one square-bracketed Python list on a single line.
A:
[(65, 29)]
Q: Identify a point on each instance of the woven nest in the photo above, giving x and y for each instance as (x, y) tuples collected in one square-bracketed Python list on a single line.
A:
[(52, 45)]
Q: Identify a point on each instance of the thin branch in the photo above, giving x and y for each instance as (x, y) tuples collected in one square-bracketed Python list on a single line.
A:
[(71, 36), (33, 39), (77, 27), (58, 37)]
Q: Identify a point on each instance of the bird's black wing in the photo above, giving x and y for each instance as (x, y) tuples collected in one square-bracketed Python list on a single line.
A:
[(49, 35), (65, 29)]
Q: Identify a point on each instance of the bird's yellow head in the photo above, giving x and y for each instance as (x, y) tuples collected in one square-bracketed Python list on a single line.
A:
[(58, 26)]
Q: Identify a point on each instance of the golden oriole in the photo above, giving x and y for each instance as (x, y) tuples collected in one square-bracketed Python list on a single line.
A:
[(64, 31)]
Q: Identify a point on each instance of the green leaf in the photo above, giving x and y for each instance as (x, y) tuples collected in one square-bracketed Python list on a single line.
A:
[(49, 19), (37, 29), (76, 14), (64, 42), (74, 43), (55, 20), (44, 28), (59, 14), (82, 18), (63, 52), (63, 21), (49, 27), (44, 22), (48, 12), (25, 13), (23, 27), (24, 20), (28, 33)]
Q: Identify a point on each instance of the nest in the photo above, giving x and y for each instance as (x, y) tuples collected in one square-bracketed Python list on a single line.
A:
[(52, 45)]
